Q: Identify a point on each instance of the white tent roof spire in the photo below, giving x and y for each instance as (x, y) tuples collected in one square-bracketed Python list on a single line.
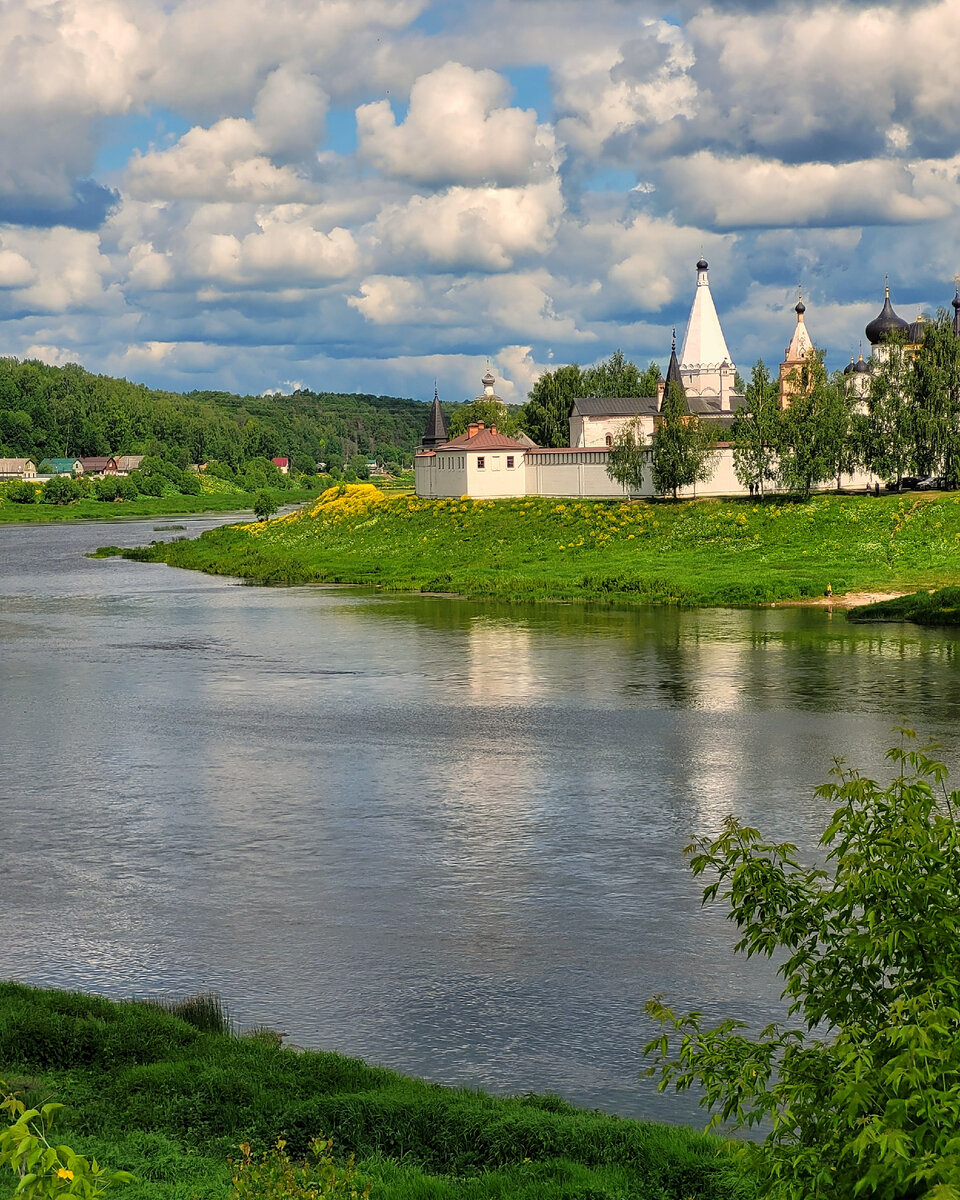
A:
[(703, 344)]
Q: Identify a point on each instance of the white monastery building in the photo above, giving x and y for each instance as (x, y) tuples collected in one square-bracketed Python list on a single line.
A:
[(484, 463)]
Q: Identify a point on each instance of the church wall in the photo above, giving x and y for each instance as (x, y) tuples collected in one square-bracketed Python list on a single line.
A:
[(593, 431), (570, 474)]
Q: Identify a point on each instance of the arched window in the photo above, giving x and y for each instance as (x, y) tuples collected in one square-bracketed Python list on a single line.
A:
[(609, 439)]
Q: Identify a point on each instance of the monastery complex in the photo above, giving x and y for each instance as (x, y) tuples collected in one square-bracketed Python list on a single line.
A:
[(484, 463)]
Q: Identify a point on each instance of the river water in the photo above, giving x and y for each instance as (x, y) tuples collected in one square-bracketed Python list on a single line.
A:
[(442, 835)]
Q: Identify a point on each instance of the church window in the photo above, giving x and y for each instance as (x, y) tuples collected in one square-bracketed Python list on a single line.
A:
[(609, 439)]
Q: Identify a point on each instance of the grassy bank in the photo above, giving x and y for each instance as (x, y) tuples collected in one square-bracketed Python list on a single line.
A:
[(708, 552), (151, 1093), (143, 506), (941, 607)]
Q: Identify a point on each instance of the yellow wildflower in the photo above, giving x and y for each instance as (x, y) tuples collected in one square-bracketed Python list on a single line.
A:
[(63, 1173)]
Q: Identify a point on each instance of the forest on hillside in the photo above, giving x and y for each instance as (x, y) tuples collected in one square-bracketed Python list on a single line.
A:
[(59, 412)]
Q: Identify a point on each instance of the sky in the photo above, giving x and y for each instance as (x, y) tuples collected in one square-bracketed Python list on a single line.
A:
[(370, 195)]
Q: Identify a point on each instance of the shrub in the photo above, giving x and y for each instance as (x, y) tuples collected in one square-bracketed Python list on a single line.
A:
[(21, 492), (60, 489)]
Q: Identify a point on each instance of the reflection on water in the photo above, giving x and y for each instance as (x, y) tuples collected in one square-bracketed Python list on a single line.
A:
[(442, 835)]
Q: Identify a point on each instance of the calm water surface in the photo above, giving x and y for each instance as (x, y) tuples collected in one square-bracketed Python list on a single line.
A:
[(441, 835)]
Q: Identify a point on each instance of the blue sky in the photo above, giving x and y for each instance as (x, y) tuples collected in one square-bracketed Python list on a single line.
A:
[(219, 193)]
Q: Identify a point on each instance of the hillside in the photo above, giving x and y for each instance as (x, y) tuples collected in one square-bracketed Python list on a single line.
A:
[(706, 552), (58, 411)]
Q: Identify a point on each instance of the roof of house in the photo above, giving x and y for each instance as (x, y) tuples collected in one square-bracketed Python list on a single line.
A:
[(98, 463), (60, 466), (14, 464), (483, 439), (615, 406), (129, 462), (280, 462)]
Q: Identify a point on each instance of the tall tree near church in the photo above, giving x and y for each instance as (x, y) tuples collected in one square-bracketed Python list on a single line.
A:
[(756, 431), (628, 457), (933, 383), (816, 431), (890, 444), (546, 416), (682, 449)]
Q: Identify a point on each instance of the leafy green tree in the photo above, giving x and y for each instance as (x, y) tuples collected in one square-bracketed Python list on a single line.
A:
[(59, 489), (682, 448), (546, 416), (490, 412), (890, 440), (629, 457), (756, 431), (815, 431), (860, 1097), (264, 505), (934, 388)]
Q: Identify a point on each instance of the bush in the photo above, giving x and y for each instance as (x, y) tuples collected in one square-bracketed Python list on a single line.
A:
[(264, 505), (21, 492), (273, 1176), (60, 489)]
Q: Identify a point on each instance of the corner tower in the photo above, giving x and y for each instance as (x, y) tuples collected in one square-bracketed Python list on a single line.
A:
[(705, 364)]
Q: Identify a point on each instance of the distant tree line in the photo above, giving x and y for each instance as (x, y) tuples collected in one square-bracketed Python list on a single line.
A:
[(58, 412)]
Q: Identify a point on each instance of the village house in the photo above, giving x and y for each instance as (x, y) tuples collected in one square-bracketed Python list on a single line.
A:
[(129, 462), (17, 468), (61, 466), (99, 465)]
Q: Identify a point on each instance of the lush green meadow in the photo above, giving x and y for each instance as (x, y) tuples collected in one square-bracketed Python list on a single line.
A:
[(154, 1094), (705, 552), (940, 607)]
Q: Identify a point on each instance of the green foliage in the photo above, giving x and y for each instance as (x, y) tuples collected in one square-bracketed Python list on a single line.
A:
[(490, 411), (264, 505), (629, 457), (274, 1176), (756, 431), (43, 1170), (204, 1011), (682, 445), (60, 489), (18, 491), (889, 440), (939, 607), (861, 1097)]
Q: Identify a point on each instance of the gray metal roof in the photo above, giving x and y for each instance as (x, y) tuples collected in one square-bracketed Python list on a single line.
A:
[(615, 406)]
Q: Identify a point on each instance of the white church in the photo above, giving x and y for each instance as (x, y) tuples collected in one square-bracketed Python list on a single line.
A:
[(484, 463)]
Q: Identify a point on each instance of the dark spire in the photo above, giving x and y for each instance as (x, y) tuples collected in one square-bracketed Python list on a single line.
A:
[(955, 302), (800, 308), (673, 370), (436, 433)]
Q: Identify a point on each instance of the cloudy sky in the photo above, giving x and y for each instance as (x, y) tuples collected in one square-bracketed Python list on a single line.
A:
[(367, 194)]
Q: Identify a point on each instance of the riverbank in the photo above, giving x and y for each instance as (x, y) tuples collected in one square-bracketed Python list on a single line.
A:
[(705, 553), (170, 1099), (144, 506)]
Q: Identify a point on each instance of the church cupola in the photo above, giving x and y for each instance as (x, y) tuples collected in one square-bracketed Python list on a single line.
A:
[(886, 324), (706, 367), (955, 303), (488, 380)]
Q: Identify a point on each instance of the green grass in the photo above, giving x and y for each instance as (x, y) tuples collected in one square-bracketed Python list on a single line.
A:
[(144, 506), (150, 1092), (706, 552), (941, 607)]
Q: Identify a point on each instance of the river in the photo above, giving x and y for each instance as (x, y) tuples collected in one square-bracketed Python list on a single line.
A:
[(445, 836)]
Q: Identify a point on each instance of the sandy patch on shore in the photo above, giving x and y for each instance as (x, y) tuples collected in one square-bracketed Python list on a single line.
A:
[(847, 600)]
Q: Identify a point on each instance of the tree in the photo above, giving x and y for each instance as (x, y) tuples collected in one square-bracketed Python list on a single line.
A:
[(490, 412), (59, 489), (890, 444), (934, 383), (21, 492), (861, 1098), (756, 430), (811, 441), (682, 450), (628, 457), (546, 416), (264, 505)]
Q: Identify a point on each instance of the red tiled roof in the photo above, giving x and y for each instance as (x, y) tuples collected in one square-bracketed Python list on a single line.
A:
[(483, 439)]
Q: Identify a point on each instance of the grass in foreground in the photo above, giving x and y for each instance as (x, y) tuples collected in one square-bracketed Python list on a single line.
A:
[(941, 607), (705, 552), (152, 1093), (144, 506)]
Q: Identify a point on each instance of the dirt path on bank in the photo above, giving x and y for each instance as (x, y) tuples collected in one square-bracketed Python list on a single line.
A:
[(846, 600)]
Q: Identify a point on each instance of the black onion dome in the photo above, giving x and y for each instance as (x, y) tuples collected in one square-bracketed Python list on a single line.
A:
[(800, 308), (955, 302), (850, 367), (701, 264), (861, 367), (886, 325), (915, 336)]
